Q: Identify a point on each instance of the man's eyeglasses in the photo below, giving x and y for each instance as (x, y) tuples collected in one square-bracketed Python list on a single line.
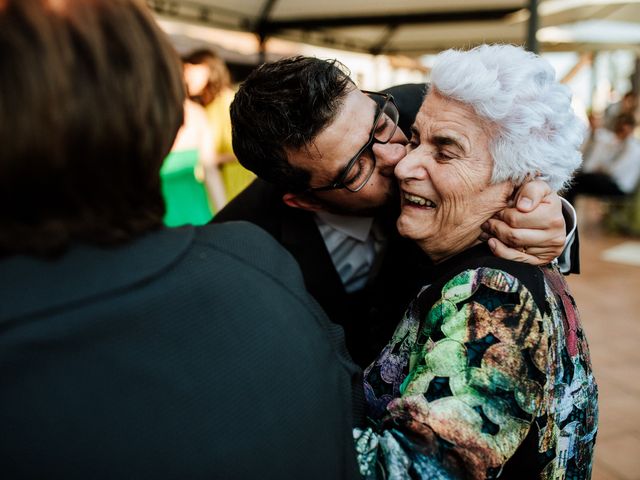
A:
[(359, 169)]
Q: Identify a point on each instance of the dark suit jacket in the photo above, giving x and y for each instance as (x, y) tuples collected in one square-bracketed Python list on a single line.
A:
[(368, 317), (189, 353)]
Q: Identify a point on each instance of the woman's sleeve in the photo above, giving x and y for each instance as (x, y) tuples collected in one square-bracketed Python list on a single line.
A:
[(474, 387)]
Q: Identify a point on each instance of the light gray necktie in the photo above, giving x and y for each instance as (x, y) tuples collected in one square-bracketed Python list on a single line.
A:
[(352, 258)]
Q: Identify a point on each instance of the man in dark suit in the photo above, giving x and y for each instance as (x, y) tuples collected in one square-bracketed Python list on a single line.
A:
[(128, 350), (325, 153)]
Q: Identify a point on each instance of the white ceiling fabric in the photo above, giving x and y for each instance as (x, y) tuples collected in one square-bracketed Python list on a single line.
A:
[(415, 27)]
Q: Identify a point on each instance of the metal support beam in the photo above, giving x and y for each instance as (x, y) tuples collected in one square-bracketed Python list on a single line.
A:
[(378, 48), (635, 76), (260, 30), (534, 20), (198, 11), (267, 8), (381, 20), (593, 81)]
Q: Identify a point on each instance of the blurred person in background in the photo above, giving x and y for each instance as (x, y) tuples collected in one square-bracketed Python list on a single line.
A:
[(129, 350), (209, 83), (192, 164), (611, 162), (627, 104)]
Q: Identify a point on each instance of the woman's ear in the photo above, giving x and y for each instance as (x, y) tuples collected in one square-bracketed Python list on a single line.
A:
[(302, 201)]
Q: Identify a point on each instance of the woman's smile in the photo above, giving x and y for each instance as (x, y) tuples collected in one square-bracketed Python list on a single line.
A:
[(415, 201)]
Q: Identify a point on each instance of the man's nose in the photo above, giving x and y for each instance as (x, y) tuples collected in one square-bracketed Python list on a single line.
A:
[(389, 154)]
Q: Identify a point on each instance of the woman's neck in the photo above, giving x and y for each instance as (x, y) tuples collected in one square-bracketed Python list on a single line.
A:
[(440, 256)]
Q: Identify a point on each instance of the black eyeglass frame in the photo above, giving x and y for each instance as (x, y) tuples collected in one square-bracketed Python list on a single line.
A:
[(339, 183)]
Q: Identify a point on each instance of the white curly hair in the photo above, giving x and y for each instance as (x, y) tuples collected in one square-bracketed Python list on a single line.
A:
[(537, 132)]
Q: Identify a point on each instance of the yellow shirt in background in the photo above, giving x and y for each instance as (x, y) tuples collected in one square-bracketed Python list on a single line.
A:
[(234, 175)]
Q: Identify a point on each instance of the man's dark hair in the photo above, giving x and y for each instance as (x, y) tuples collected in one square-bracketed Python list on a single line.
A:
[(91, 97), (285, 105)]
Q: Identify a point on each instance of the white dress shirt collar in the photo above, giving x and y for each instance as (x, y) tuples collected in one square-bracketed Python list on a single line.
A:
[(355, 227)]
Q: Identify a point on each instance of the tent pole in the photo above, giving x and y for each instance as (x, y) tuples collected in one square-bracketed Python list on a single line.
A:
[(262, 48), (262, 30), (532, 41), (635, 76), (594, 82)]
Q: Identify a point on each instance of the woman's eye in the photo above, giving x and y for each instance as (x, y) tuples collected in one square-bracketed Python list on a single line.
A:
[(443, 156), (413, 143)]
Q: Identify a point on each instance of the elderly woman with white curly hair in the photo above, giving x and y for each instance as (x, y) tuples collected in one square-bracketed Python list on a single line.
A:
[(488, 374)]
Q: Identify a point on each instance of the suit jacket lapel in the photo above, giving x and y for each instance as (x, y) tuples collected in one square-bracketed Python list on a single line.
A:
[(300, 235)]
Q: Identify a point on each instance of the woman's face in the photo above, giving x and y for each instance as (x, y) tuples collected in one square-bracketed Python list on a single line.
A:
[(196, 77), (446, 193)]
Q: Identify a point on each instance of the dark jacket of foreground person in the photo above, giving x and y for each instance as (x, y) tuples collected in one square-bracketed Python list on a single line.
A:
[(186, 353), (367, 316), (128, 350)]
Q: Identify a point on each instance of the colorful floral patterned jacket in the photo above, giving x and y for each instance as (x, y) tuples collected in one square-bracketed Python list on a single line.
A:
[(487, 376)]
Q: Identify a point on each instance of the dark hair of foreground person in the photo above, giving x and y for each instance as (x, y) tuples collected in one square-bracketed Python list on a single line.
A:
[(67, 175)]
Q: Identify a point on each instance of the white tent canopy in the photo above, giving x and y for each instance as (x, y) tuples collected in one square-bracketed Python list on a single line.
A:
[(415, 27)]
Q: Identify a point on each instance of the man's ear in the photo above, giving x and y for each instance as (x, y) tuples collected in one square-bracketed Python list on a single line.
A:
[(302, 201)]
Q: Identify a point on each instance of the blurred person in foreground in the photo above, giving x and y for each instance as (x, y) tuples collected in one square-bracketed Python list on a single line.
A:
[(488, 374), (209, 83), (611, 162), (128, 350), (324, 153)]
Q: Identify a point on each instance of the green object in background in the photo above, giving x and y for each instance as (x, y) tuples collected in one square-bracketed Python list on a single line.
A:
[(185, 197), (623, 215)]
